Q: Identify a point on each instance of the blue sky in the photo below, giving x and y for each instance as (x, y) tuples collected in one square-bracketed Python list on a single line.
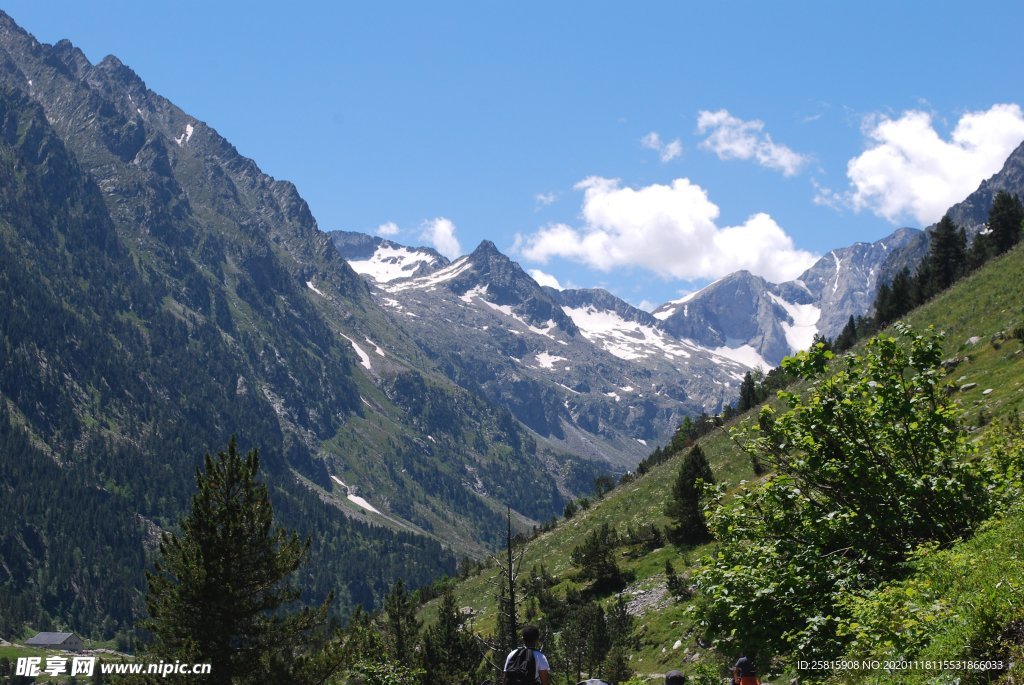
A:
[(780, 130)]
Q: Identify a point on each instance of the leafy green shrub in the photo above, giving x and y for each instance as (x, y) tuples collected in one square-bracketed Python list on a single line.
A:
[(870, 465), (383, 673), (962, 603)]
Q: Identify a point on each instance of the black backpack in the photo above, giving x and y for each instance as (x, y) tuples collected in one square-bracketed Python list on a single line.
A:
[(522, 668)]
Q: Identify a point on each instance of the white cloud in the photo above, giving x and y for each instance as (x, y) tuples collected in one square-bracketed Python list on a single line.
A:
[(545, 279), (667, 229), (441, 234), (388, 229), (545, 199), (647, 305), (732, 138), (666, 151), (910, 171)]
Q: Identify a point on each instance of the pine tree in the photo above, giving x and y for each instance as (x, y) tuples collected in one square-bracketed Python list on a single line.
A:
[(847, 337), (748, 392), (506, 636), (1004, 221), (684, 508), (401, 624), (948, 254), (220, 590), (983, 248), (884, 306), (922, 286), (596, 557), (449, 651), (672, 582), (902, 295)]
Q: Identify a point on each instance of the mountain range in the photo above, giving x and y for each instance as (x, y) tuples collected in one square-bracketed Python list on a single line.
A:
[(162, 293)]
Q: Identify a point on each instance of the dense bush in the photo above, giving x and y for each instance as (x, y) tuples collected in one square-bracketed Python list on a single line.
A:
[(868, 466)]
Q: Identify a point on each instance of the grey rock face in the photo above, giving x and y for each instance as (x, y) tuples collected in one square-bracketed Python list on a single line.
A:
[(372, 255), (734, 311), (844, 282), (972, 213), (586, 371)]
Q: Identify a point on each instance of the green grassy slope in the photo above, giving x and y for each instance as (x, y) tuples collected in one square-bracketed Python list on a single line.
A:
[(978, 317)]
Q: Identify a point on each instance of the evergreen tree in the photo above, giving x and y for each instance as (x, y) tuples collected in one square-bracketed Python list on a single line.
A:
[(983, 248), (748, 393), (584, 638), (893, 300), (847, 337), (449, 651), (596, 557), (401, 624), (902, 295), (1004, 221), (684, 508), (922, 286), (885, 306), (948, 254), (673, 583), (221, 588)]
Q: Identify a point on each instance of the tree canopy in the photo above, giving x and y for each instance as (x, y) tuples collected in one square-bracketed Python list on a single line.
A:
[(869, 465), (221, 590)]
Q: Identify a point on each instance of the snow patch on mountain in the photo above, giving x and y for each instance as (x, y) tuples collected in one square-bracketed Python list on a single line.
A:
[(185, 136), (309, 284), (669, 308), (376, 347), (355, 499), (476, 291), (547, 360), (432, 280), (364, 359), (839, 266), (625, 339), (391, 262), (743, 354), (549, 325), (800, 333)]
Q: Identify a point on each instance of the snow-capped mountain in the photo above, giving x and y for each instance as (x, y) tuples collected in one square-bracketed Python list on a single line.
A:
[(383, 260), (741, 316), (598, 376), (844, 282), (757, 322), (587, 372)]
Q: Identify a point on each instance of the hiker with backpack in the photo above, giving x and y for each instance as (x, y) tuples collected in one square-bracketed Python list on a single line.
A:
[(526, 665), (675, 678), (744, 672)]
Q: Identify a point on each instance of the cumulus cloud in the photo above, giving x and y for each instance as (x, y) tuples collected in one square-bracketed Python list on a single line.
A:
[(545, 199), (666, 151), (440, 232), (730, 137), (670, 230), (545, 279), (911, 171), (647, 305), (388, 229)]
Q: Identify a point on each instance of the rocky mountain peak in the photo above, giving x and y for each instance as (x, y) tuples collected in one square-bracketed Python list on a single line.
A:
[(972, 213), (738, 311), (507, 284), (600, 299), (117, 71), (384, 261)]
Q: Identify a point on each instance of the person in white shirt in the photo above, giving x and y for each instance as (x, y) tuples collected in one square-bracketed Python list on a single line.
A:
[(531, 641)]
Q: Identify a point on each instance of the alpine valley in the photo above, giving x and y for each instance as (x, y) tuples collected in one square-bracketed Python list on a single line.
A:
[(160, 293)]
